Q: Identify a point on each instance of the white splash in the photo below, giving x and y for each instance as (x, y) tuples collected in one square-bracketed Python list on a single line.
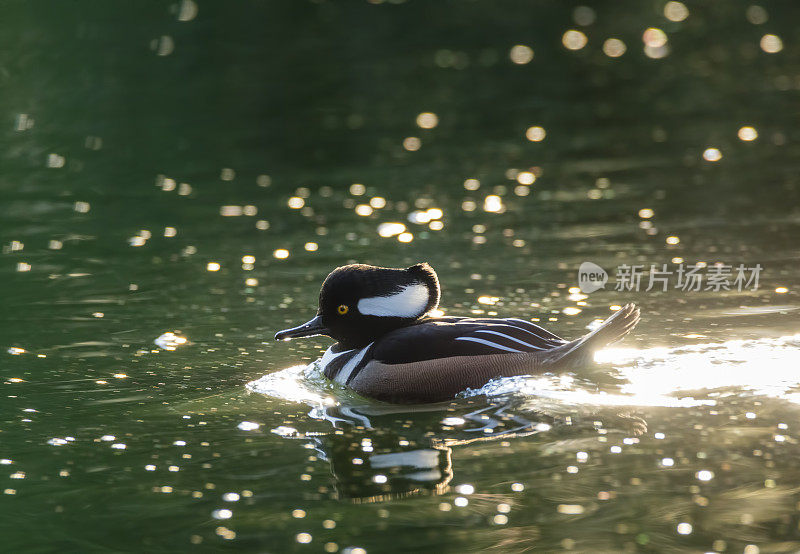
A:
[(298, 383)]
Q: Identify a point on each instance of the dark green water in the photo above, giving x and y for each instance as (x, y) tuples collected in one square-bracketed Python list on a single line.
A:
[(126, 128)]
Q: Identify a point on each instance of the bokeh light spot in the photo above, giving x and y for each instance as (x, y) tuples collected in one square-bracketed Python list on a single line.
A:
[(771, 44), (747, 134), (412, 144), (521, 54), (614, 48), (712, 155), (427, 120), (535, 133), (574, 40), (676, 11)]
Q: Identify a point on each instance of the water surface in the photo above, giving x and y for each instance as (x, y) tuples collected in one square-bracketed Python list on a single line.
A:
[(198, 168)]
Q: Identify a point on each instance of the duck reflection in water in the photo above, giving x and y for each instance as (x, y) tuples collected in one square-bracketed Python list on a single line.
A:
[(376, 454)]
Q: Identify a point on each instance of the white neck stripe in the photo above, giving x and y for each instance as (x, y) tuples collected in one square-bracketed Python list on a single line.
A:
[(411, 301)]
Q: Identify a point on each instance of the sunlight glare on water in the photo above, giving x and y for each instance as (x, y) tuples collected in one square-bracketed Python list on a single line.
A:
[(766, 367)]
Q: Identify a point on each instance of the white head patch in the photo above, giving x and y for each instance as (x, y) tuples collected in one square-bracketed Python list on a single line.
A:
[(411, 301)]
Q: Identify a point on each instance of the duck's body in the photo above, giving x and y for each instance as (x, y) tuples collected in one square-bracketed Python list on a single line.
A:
[(389, 350)]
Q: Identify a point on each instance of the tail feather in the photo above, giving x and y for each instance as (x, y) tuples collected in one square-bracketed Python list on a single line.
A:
[(580, 352)]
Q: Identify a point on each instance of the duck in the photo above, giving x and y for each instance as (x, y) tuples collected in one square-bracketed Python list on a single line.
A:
[(391, 348)]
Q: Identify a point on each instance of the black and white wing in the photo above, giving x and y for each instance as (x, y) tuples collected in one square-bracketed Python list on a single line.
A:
[(452, 336)]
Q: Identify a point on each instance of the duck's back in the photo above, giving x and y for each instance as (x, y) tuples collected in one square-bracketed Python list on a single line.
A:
[(445, 337)]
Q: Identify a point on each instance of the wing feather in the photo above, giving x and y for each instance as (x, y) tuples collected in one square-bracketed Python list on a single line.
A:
[(489, 344), (453, 336), (527, 343)]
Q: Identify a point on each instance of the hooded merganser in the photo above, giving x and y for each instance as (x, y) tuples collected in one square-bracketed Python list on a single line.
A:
[(389, 350)]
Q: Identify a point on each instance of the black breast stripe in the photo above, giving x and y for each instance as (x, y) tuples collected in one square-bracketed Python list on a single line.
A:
[(332, 368), (365, 359)]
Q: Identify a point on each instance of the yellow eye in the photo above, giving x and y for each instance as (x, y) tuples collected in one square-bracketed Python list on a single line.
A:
[(342, 309)]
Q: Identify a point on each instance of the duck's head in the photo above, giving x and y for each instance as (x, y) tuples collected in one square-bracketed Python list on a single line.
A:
[(359, 303)]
